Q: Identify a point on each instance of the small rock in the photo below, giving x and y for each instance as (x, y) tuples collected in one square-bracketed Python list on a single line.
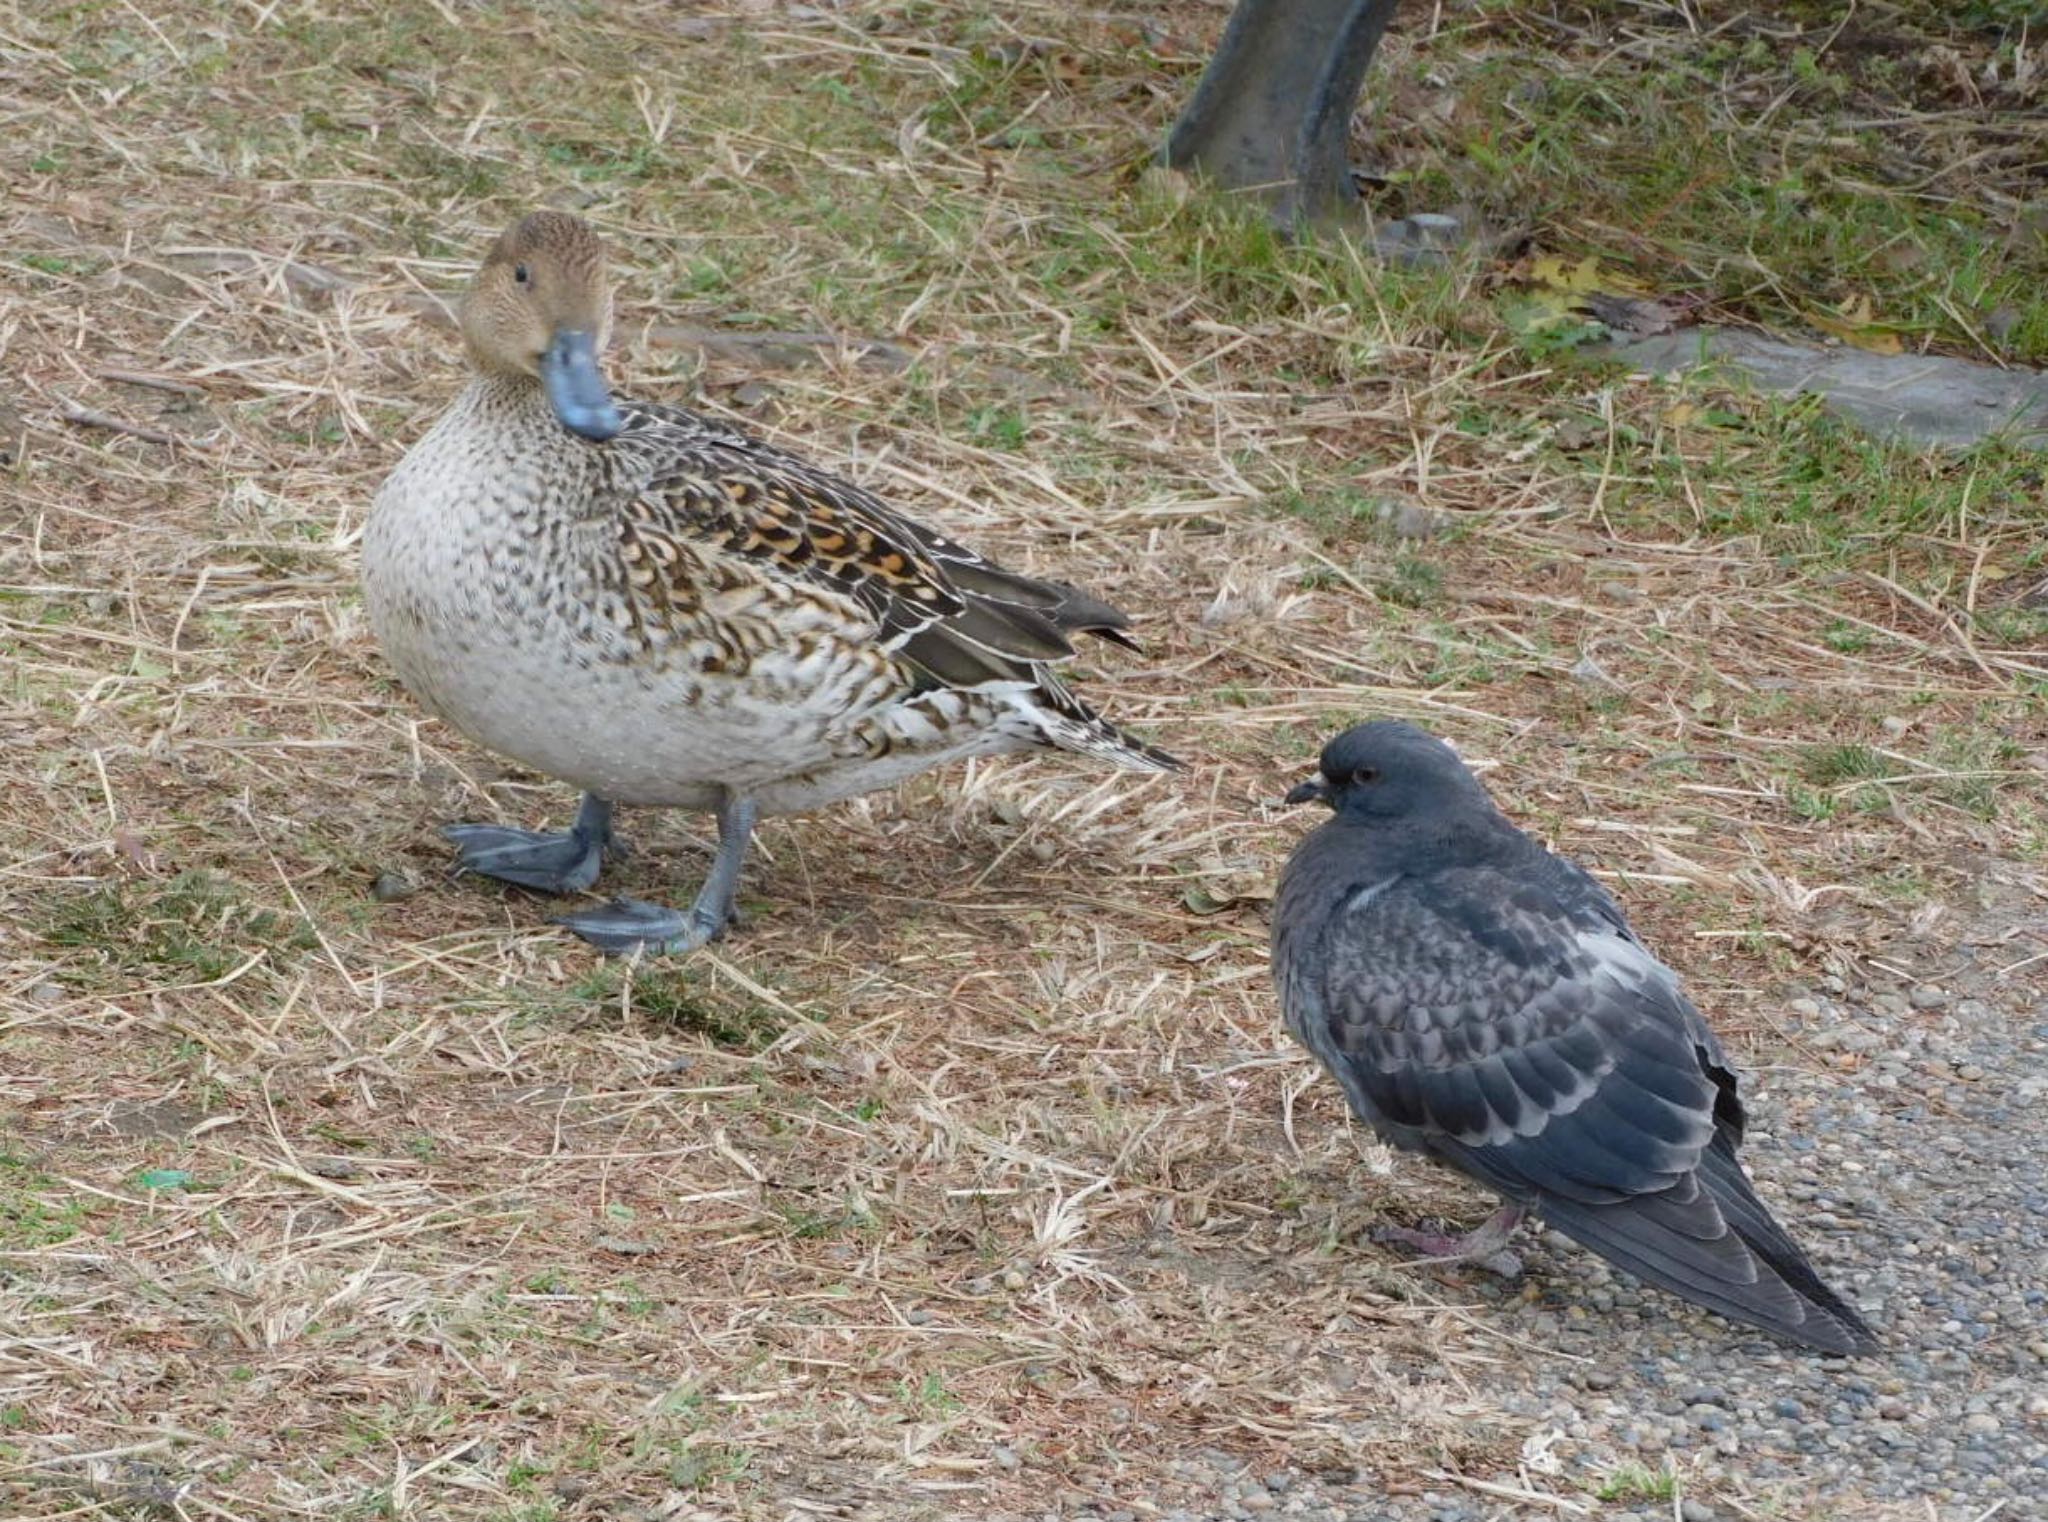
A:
[(1927, 996), (626, 1247), (1577, 433), (1004, 1458), (1405, 519), (1423, 237), (1980, 1424), (391, 887), (1690, 1510)]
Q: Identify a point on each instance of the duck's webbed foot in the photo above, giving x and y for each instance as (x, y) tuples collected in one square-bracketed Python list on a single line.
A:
[(1485, 1246), (628, 925), (565, 861)]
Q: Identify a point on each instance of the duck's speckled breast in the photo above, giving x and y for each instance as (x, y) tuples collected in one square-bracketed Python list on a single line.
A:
[(495, 582)]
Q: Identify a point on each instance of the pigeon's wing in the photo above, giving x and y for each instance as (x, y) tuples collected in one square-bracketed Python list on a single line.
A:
[(1507, 1021)]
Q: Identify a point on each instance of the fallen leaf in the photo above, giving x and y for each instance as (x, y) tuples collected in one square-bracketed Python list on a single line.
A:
[(1559, 276), (1854, 322)]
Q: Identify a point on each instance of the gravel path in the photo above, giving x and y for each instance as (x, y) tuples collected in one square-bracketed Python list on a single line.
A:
[(1917, 1173)]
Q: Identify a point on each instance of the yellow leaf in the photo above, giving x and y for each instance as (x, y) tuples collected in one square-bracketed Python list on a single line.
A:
[(1559, 276), (1582, 278), (1679, 414), (1854, 323), (1540, 310)]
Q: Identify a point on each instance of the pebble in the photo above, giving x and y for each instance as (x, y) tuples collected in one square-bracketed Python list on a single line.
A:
[(1406, 519)]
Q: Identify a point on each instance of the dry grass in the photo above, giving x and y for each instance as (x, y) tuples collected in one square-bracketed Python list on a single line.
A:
[(975, 1176)]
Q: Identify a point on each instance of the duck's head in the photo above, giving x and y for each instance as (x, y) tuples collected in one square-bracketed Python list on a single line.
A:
[(541, 308)]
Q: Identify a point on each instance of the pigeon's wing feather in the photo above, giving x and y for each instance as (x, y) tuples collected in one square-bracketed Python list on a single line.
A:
[(1504, 1018), (1484, 1015)]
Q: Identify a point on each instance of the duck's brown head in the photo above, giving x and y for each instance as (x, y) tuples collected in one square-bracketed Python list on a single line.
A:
[(541, 307)]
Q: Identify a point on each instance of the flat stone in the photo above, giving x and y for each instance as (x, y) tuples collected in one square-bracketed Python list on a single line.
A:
[(1925, 398)]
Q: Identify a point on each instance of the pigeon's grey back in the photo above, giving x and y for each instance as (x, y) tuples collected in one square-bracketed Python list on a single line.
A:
[(1485, 1002)]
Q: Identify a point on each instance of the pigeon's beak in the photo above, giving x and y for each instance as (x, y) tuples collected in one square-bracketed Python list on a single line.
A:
[(1308, 792), (569, 374)]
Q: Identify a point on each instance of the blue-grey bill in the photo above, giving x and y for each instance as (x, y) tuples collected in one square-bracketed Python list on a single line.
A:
[(568, 372)]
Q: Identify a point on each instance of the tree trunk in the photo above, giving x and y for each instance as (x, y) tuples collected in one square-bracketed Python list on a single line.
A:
[(1272, 112)]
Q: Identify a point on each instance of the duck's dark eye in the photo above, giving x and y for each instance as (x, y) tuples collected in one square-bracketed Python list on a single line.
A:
[(1366, 774), (521, 274)]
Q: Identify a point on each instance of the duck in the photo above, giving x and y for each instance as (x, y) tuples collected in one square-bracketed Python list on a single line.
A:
[(665, 611)]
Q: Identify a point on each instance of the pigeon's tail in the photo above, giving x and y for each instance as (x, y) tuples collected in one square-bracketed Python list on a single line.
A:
[(1710, 1240)]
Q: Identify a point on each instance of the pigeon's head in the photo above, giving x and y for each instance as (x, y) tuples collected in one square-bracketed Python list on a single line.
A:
[(1388, 769)]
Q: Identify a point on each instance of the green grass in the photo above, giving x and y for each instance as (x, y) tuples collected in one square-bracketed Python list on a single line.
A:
[(1636, 1482), (684, 998), (33, 1211), (197, 923), (1769, 180)]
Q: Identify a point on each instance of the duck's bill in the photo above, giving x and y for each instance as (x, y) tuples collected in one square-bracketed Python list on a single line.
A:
[(1307, 792), (569, 374)]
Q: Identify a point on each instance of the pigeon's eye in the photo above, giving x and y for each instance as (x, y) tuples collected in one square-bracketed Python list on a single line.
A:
[(522, 274), (1366, 774)]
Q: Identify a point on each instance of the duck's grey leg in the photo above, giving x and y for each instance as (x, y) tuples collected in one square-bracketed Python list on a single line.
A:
[(632, 924), (1485, 1245), (564, 862)]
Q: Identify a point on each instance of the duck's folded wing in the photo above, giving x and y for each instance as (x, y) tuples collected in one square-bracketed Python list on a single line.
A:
[(953, 615)]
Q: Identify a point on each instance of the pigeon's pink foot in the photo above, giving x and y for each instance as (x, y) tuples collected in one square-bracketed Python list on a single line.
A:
[(1484, 1247)]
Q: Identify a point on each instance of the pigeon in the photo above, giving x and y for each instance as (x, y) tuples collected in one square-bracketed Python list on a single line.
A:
[(1485, 1003)]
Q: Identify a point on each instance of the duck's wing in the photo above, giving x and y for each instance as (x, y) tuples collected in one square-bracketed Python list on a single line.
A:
[(1504, 1018), (954, 616)]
